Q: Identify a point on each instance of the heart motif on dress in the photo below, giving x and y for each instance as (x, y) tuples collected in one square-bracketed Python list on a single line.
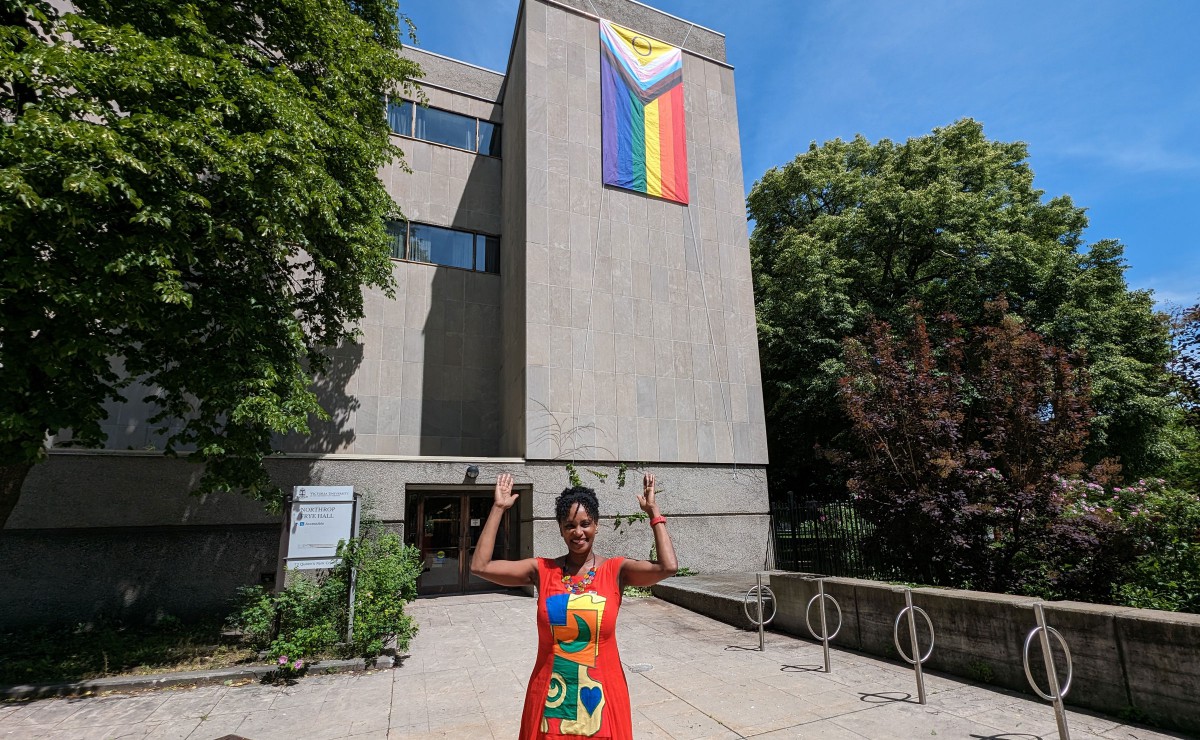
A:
[(590, 696)]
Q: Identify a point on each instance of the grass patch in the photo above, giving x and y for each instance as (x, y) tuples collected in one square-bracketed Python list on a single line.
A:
[(54, 654)]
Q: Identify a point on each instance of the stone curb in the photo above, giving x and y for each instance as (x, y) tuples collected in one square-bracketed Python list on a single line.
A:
[(180, 678)]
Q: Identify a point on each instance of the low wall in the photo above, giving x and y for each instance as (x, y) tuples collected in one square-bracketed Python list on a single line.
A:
[(130, 575), (1137, 662)]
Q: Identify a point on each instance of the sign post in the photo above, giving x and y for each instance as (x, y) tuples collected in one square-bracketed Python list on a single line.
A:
[(316, 520)]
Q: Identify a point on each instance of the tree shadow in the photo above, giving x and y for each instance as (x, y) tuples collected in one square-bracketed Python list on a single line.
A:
[(337, 433)]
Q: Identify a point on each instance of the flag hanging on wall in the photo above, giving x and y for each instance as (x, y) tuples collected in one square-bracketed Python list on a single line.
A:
[(641, 91)]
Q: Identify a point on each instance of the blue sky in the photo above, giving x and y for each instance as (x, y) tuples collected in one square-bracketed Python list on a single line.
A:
[(1105, 94)]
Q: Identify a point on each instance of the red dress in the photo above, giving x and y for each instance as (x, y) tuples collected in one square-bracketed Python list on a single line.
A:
[(578, 686)]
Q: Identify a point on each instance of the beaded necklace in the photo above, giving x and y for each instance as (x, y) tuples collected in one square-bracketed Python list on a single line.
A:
[(579, 586)]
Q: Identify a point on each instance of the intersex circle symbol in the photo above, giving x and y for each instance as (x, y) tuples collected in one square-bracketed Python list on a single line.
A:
[(637, 47), (808, 615), (896, 634), (1066, 651), (752, 598)]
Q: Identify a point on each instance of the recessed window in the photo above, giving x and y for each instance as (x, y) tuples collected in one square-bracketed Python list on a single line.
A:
[(400, 117), (489, 138), (406, 118), (444, 127), (441, 246)]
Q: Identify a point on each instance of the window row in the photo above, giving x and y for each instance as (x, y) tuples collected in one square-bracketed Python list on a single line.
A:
[(441, 246), (443, 127)]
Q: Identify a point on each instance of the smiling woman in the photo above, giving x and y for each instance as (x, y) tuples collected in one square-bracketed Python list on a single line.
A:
[(577, 686)]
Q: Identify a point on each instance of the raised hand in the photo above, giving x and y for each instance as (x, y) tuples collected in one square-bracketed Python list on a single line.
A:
[(503, 496), (646, 497)]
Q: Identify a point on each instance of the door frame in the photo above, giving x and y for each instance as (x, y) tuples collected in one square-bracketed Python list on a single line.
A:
[(510, 526)]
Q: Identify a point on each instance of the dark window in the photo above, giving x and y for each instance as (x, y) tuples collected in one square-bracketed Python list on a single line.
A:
[(487, 253), (400, 117), (442, 246), (489, 138), (444, 127)]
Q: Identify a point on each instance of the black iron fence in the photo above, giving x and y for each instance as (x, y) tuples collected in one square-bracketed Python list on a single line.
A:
[(829, 538)]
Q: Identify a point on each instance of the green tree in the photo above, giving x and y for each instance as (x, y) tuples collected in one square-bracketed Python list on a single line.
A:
[(951, 220), (188, 198), (1185, 374), (1185, 360)]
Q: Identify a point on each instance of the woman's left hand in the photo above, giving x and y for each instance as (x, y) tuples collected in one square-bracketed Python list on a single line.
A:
[(646, 497), (644, 573)]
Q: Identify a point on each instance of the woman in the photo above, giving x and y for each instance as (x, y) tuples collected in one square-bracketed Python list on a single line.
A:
[(578, 686)]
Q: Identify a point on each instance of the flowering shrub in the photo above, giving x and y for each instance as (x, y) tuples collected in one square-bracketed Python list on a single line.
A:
[(289, 670), (1148, 541)]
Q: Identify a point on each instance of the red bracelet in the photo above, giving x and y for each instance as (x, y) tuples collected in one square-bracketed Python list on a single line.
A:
[(660, 519)]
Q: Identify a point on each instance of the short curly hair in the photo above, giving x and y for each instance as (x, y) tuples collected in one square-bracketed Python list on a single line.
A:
[(581, 495)]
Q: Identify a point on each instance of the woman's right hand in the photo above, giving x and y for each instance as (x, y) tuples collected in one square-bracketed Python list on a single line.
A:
[(503, 496)]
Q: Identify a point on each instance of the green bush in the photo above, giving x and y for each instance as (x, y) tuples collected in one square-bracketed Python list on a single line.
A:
[(387, 579), (1153, 529), (309, 617), (1166, 572)]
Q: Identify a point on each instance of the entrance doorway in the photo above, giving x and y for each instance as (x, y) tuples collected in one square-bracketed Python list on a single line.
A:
[(445, 525)]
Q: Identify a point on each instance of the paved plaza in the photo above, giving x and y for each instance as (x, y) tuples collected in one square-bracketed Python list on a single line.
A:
[(689, 677)]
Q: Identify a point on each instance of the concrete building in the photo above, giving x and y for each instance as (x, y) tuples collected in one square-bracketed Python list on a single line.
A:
[(540, 317)]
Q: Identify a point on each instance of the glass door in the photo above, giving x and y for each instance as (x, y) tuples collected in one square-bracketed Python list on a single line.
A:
[(478, 508), (439, 535), (445, 527)]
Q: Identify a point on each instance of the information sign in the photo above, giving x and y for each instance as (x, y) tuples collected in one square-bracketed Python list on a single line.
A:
[(318, 518), (316, 528)]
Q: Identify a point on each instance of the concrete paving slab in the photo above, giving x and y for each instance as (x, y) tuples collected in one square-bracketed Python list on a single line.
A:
[(689, 677), (182, 705), (178, 729)]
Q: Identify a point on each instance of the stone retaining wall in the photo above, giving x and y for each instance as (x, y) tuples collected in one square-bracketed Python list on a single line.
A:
[(1128, 662)]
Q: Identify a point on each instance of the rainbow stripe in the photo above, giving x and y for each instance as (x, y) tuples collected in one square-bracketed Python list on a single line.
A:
[(641, 102)]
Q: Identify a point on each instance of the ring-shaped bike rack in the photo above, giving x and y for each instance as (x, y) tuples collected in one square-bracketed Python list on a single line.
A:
[(808, 617), (1062, 692), (896, 634), (753, 597), (825, 635), (917, 659), (756, 595), (1057, 691)]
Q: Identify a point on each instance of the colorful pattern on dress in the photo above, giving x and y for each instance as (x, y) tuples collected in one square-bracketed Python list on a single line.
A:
[(644, 139), (575, 700)]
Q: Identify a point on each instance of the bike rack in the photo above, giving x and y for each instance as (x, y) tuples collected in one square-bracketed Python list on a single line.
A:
[(825, 636), (917, 658), (1056, 693), (756, 595)]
